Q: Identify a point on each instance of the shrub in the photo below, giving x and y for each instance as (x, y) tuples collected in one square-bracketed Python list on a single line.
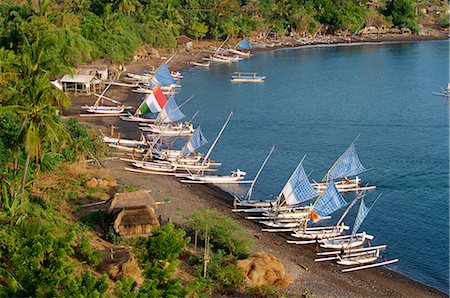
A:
[(166, 243), (223, 232), (86, 253)]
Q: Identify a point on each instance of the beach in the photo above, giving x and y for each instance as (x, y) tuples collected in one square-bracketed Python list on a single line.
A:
[(323, 280)]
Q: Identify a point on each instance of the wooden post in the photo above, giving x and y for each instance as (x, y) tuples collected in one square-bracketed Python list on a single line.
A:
[(195, 241), (112, 130), (206, 253)]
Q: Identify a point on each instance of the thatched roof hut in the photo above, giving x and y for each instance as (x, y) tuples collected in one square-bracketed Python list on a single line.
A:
[(133, 213), (132, 222), (141, 198)]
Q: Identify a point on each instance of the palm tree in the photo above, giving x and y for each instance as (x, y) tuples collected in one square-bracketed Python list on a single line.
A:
[(35, 100)]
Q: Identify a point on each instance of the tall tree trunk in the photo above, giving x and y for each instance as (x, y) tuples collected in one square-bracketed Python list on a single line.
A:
[(24, 179)]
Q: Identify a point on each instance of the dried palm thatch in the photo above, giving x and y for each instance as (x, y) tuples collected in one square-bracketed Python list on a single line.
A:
[(135, 221), (264, 269), (141, 198), (120, 262)]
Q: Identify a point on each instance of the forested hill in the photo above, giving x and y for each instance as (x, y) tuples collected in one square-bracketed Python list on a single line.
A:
[(82, 30)]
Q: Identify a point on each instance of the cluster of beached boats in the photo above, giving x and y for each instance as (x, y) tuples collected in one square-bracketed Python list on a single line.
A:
[(290, 213), (169, 146)]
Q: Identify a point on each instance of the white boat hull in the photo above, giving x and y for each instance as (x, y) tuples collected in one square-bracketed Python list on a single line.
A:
[(104, 110), (344, 243), (180, 130)]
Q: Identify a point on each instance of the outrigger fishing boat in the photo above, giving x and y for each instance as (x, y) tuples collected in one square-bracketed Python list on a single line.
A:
[(444, 92), (241, 47), (323, 207), (327, 203), (152, 103), (98, 108), (353, 240), (137, 146), (206, 65), (221, 59), (288, 204), (347, 165), (358, 257), (247, 77), (165, 124), (235, 177)]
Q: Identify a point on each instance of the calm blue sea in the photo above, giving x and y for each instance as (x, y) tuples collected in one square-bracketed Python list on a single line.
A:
[(316, 101)]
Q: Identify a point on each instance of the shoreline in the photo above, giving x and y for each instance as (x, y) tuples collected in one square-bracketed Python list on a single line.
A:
[(182, 59), (321, 279), (375, 282)]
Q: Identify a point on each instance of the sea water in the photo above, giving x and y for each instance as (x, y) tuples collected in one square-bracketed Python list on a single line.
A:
[(316, 101)]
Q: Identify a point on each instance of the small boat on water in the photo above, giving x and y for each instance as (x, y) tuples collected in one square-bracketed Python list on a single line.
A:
[(444, 92), (247, 77), (206, 65), (347, 165)]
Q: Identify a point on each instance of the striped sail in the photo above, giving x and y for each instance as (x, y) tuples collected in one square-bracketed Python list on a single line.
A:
[(347, 165), (170, 113), (153, 102), (196, 141), (362, 214), (244, 44), (163, 76), (330, 201), (298, 188)]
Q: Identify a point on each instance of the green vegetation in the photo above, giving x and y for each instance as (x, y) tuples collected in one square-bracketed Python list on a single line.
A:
[(44, 250), (223, 232), (402, 13), (82, 30)]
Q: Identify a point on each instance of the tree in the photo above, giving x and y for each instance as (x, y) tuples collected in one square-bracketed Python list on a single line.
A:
[(402, 13), (35, 100)]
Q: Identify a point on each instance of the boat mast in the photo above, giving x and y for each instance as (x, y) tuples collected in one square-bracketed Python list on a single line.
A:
[(249, 193), (101, 95), (217, 139), (325, 178)]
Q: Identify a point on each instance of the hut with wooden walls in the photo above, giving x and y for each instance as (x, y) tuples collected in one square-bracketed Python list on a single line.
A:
[(133, 213)]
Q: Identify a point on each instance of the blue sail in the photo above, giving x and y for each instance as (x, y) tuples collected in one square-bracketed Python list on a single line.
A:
[(347, 165), (244, 44), (170, 112), (163, 76), (196, 141), (298, 188), (330, 201), (362, 214)]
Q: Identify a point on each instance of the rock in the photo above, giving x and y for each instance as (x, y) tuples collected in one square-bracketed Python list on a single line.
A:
[(92, 183), (111, 181), (264, 269), (106, 182)]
